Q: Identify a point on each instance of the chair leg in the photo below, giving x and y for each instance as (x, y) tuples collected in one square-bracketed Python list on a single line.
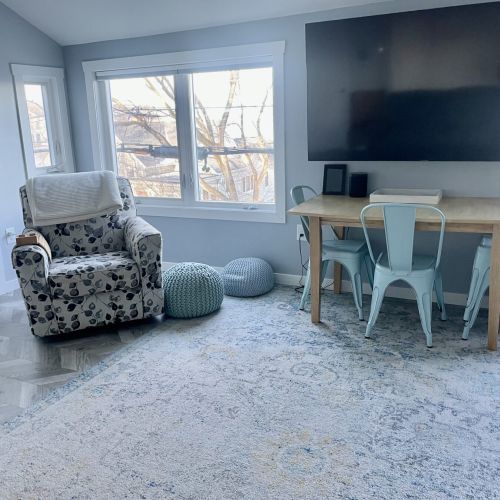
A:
[(357, 290), (424, 302), (473, 314), (307, 288), (438, 286), (480, 273), (380, 285), (324, 268), (369, 269), (472, 295)]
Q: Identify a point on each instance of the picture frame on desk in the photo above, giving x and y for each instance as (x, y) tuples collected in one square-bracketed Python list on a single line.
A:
[(334, 179)]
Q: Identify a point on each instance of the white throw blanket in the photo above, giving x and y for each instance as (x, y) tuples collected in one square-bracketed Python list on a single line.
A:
[(60, 198)]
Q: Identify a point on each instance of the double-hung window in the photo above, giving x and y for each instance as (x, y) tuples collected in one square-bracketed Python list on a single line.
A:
[(198, 134), (43, 118)]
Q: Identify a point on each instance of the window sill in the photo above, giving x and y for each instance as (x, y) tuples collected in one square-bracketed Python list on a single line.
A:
[(212, 213)]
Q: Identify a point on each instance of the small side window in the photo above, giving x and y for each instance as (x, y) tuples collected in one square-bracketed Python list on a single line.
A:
[(43, 118)]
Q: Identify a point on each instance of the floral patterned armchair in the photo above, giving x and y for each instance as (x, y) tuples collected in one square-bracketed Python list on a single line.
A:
[(99, 271)]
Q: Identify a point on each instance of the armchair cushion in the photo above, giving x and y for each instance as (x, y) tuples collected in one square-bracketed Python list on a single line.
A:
[(82, 275), (144, 242)]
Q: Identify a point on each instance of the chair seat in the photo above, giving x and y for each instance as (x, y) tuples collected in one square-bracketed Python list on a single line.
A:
[(339, 248), (83, 275), (419, 262)]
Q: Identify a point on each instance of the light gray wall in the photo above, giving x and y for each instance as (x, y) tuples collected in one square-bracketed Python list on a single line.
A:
[(21, 43), (217, 242)]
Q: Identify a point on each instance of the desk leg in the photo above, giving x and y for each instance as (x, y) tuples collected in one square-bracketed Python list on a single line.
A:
[(494, 299), (315, 260), (337, 268)]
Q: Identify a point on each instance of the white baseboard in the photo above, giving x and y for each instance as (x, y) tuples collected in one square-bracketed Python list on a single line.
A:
[(397, 292), (400, 292)]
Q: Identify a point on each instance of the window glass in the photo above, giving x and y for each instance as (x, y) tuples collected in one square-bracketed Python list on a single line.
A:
[(233, 113), (38, 124), (145, 134)]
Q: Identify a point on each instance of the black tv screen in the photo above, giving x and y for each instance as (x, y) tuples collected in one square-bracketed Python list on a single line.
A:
[(410, 86)]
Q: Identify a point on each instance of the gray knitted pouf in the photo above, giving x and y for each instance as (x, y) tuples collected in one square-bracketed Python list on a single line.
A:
[(248, 277), (192, 290)]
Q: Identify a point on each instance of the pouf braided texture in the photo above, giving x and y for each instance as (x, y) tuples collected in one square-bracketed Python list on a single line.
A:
[(192, 290), (248, 277)]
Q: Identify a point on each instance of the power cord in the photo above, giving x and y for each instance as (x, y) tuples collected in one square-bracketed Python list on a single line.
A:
[(303, 268)]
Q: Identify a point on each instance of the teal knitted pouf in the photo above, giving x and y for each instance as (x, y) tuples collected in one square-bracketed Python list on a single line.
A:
[(192, 290), (248, 277)]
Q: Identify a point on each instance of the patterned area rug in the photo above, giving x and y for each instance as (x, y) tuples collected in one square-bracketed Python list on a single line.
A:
[(256, 402)]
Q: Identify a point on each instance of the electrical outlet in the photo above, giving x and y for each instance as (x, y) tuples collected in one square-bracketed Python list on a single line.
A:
[(10, 235), (300, 232)]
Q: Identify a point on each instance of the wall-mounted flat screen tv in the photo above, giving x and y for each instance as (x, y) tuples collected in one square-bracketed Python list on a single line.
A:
[(410, 86)]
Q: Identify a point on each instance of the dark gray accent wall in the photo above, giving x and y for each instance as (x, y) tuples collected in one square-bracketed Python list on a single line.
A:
[(21, 43), (217, 242)]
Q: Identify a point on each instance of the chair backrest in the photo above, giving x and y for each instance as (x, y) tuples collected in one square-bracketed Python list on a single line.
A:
[(300, 194), (98, 235), (399, 227)]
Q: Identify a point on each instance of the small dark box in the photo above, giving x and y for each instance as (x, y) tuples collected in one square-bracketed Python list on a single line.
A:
[(334, 179), (358, 185)]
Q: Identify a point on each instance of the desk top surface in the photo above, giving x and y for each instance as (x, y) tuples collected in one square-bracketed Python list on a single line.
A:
[(459, 210)]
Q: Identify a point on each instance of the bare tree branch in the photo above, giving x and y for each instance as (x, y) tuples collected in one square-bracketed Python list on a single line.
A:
[(212, 190), (167, 89), (209, 133), (142, 120)]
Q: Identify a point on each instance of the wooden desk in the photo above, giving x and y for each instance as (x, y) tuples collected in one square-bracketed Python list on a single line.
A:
[(463, 215)]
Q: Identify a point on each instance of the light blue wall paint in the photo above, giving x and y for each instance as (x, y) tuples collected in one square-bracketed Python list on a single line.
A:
[(217, 242), (21, 43)]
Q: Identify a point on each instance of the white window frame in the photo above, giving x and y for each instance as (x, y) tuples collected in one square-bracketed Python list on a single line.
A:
[(56, 114), (178, 64)]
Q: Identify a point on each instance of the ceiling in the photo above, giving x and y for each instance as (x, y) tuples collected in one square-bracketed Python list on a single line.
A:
[(71, 22)]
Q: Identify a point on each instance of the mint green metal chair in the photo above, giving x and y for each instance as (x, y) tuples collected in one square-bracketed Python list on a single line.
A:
[(351, 254), (399, 262), (479, 283)]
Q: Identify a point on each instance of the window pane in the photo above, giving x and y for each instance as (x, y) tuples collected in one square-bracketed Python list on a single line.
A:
[(234, 135), (38, 125), (145, 131)]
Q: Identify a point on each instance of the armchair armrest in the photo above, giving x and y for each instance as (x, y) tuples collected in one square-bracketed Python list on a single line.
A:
[(40, 241), (31, 263), (144, 243)]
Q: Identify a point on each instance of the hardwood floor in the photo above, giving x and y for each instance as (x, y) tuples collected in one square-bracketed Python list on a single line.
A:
[(30, 366)]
